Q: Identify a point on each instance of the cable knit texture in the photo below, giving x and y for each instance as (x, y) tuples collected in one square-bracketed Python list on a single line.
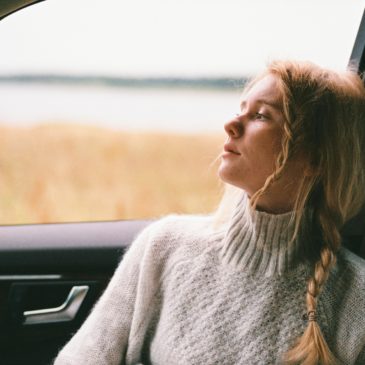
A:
[(188, 294)]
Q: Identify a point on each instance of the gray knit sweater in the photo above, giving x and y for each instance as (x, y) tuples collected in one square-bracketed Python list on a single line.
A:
[(188, 294)]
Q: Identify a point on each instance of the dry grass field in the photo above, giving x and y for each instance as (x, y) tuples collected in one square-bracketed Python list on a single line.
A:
[(65, 172)]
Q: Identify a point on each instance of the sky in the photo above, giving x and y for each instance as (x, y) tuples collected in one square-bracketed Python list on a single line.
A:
[(175, 37)]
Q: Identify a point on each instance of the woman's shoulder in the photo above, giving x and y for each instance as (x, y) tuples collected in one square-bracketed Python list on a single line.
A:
[(350, 264), (346, 282), (344, 303), (177, 235), (175, 225)]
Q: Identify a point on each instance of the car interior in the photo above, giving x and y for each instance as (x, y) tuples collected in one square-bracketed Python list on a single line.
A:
[(52, 274)]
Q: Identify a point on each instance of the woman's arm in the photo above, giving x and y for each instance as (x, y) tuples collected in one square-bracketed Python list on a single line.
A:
[(104, 336)]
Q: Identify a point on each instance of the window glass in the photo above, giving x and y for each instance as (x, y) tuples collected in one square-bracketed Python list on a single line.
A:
[(115, 109)]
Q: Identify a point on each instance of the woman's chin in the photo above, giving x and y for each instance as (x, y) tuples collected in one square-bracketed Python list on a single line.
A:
[(227, 175), (222, 172)]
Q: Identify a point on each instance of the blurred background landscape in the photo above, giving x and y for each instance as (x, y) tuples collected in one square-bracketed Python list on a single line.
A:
[(59, 172), (110, 149)]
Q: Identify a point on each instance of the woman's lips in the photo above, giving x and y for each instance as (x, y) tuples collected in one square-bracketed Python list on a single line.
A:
[(229, 150)]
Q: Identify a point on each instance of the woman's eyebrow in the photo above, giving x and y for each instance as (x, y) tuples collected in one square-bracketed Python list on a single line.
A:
[(272, 103)]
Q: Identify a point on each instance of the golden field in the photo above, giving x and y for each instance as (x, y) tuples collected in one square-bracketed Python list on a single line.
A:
[(66, 172)]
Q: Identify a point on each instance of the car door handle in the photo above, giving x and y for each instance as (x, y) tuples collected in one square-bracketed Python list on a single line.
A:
[(64, 313)]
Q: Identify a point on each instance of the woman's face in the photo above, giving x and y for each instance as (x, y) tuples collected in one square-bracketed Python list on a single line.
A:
[(252, 146)]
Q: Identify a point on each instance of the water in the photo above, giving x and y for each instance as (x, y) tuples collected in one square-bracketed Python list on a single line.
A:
[(123, 108)]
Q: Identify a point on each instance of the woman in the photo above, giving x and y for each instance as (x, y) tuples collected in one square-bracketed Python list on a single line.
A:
[(264, 281)]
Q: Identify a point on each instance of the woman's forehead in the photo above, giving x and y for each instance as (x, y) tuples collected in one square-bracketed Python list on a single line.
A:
[(265, 91)]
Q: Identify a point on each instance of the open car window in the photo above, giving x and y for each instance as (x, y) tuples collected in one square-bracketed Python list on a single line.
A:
[(121, 105)]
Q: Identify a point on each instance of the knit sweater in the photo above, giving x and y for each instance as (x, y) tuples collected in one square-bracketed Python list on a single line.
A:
[(188, 294)]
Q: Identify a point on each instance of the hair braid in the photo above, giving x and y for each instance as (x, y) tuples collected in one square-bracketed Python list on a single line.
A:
[(280, 164), (311, 348)]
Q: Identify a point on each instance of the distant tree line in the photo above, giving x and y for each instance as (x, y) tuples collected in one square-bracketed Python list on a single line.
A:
[(140, 82)]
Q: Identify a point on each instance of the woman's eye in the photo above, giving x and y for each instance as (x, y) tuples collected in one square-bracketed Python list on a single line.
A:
[(260, 116)]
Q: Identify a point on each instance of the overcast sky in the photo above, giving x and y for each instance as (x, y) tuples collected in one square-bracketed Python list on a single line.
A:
[(176, 37)]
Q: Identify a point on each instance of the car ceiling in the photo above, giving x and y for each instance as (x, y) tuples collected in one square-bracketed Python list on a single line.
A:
[(8, 7)]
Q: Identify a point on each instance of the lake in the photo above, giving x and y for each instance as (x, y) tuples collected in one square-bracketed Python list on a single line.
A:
[(121, 108)]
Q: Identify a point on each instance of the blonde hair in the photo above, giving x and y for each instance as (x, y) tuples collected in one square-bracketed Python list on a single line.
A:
[(324, 120)]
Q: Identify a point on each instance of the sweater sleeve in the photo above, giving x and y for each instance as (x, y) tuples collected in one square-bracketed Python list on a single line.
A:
[(104, 336)]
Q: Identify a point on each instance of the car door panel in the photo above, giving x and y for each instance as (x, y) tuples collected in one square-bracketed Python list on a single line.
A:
[(39, 266)]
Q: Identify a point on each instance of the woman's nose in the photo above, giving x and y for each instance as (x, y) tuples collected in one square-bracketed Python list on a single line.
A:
[(234, 128)]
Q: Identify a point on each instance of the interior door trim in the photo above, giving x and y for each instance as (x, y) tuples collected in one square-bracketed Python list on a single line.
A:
[(29, 277), (66, 312)]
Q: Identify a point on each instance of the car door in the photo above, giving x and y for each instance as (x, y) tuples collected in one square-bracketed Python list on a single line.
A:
[(50, 277), (52, 274)]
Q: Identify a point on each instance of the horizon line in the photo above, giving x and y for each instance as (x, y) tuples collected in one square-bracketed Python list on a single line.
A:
[(221, 82)]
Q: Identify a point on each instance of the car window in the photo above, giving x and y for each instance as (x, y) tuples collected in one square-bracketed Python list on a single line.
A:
[(115, 110)]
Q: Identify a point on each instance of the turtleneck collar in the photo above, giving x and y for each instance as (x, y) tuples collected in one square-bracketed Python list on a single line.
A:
[(260, 243)]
